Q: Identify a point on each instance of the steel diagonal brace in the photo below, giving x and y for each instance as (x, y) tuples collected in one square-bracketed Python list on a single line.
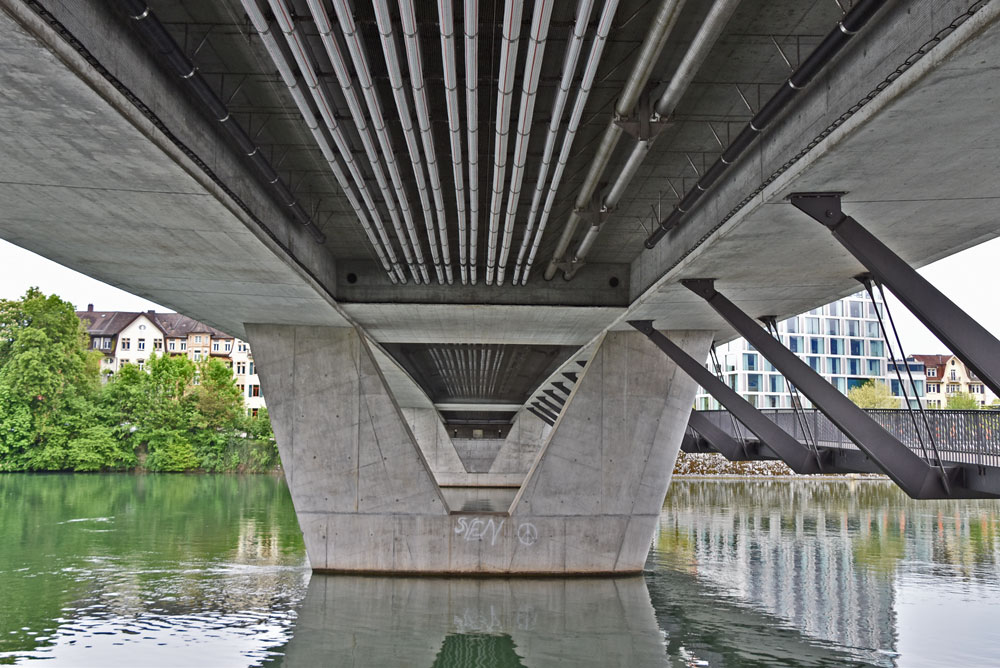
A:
[(953, 326), (915, 476), (796, 455), (722, 442)]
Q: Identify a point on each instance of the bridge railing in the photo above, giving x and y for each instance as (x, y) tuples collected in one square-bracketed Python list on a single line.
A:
[(962, 436)]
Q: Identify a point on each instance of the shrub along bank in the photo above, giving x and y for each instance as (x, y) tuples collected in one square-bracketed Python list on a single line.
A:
[(57, 415)]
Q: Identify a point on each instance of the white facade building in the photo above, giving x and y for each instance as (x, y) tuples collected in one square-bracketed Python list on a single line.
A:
[(841, 341), (131, 338)]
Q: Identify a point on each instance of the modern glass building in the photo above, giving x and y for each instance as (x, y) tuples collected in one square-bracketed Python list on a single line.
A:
[(841, 341)]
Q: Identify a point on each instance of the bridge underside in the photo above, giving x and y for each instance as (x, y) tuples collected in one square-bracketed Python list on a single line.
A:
[(114, 166)]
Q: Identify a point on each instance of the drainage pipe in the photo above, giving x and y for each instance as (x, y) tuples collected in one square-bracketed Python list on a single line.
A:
[(158, 36), (655, 40), (367, 85), (447, 21), (505, 92), (471, 22), (280, 60), (853, 21), (589, 74), (709, 32), (303, 59), (384, 22), (583, 10), (419, 90), (532, 72)]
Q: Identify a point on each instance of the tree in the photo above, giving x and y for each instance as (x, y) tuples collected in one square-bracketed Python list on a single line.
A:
[(873, 394), (49, 382), (961, 401)]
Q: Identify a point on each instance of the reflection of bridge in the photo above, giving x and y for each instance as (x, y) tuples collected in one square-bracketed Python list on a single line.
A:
[(352, 187), (958, 440)]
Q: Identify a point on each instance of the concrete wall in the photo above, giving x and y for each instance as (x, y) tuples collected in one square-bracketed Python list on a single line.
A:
[(434, 442), (521, 447), (367, 499)]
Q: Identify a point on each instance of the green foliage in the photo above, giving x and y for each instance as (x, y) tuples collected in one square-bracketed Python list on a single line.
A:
[(55, 414), (873, 394), (962, 401)]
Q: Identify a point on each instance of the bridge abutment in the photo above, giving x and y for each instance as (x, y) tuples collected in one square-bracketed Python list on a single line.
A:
[(367, 498)]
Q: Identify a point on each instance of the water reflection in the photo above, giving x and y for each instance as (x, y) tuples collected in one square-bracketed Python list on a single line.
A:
[(428, 622), (175, 570), (841, 562)]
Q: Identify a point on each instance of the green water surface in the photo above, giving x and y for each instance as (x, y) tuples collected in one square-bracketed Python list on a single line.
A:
[(210, 570)]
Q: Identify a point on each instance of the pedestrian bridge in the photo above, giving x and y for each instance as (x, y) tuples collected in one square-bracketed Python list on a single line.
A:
[(429, 218), (959, 441)]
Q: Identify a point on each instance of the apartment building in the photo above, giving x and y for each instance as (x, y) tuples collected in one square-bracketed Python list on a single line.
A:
[(131, 337), (841, 341), (947, 376)]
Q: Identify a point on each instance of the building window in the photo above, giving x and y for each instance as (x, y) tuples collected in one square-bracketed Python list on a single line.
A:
[(252, 372), (254, 412), (874, 367), (814, 362), (817, 346), (976, 389), (933, 388), (184, 345), (953, 375), (953, 388), (171, 344), (197, 357), (835, 309), (197, 339), (841, 384), (854, 309), (795, 344), (792, 326), (254, 391), (871, 329), (229, 346), (932, 372), (853, 366), (215, 346), (142, 328), (749, 362), (141, 344), (753, 382), (141, 364), (876, 348), (837, 347), (126, 344), (832, 327), (857, 347), (157, 344), (812, 325), (833, 365), (241, 368), (776, 384)]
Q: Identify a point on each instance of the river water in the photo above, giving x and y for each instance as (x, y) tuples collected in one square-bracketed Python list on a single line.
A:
[(173, 570)]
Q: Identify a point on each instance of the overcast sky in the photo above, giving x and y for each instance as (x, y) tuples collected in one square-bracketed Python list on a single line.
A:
[(963, 277)]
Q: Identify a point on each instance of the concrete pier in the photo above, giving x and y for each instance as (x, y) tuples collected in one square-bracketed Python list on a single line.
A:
[(367, 497)]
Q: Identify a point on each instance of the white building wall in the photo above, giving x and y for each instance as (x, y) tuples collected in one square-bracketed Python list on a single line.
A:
[(841, 341), (137, 342)]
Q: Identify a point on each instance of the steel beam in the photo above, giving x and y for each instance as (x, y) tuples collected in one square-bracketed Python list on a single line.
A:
[(965, 337), (722, 442), (796, 455), (915, 476)]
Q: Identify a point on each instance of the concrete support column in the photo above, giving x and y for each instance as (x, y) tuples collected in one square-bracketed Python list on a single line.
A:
[(367, 499), (357, 478), (594, 494), (521, 447), (433, 439)]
